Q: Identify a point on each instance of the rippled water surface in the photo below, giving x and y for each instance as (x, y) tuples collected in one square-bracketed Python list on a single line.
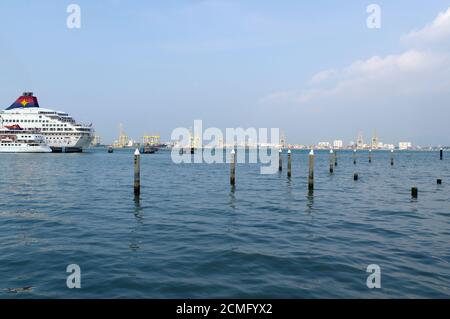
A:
[(190, 236)]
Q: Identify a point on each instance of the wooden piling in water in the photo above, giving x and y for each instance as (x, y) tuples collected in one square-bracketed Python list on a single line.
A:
[(414, 192), (311, 171), (439, 181), (137, 172), (233, 168), (392, 157), (441, 154), (370, 156), (354, 157), (331, 161), (280, 160), (355, 176), (289, 168), (335, 158)]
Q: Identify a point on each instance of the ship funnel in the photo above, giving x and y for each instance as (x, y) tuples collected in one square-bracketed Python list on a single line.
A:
[(26, 100)]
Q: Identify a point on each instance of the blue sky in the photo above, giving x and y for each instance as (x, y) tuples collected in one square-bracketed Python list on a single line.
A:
[(157, 65)]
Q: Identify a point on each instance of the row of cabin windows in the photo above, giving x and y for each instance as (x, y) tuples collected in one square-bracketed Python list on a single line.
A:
[(26, 121), (35, 121), (56, 129), (54, 125), (57, 138), (66, 135)]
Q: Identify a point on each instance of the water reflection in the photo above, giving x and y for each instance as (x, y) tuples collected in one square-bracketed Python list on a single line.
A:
[(137, 212), (232, 197), (138, 209), (289, 187), (310, 201)]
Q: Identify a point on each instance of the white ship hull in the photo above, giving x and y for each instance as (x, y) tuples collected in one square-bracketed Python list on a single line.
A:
[(74, 144), (23, 148)]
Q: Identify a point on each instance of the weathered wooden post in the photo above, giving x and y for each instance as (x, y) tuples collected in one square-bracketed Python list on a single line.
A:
[(289, 172), (233, 168), (414, 192), (311, 171), (441, 154), (392, 157), (137, 172), (335, 158), (331, 161), (439, 181), (355, 176), (354, 157), (280, 160), (370, 156)]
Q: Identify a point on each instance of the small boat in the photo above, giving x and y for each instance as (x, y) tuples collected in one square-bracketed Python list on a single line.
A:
[(110, 149), (149, 149)]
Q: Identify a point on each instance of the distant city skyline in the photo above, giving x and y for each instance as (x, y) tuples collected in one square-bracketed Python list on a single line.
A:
[(373, 142), (314, 70), (123, 140)]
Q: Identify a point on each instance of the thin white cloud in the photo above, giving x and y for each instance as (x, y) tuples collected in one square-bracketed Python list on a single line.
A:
[(437, 31), (323, 76)]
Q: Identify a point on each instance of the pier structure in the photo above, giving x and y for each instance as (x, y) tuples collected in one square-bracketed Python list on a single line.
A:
[(332, 161), (233, 168), (289, 166), (137, 172), (280, 160), (414, 192), (311, 171)]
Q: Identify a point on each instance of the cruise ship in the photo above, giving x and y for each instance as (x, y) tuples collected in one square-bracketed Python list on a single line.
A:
[(61, 132), (14, 139)]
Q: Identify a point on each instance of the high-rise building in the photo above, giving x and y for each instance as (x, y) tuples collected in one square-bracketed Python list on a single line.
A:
[(375, 142), (282, 140), (324, 145), (96, 141), (360, 141), (123, 138), (338, 144), (404, 145)]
